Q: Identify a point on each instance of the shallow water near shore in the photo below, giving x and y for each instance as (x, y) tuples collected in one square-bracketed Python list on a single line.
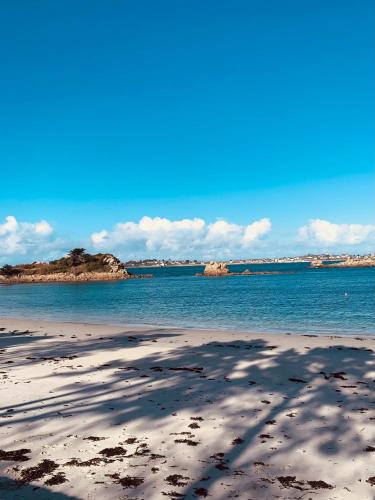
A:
[(316, 301)]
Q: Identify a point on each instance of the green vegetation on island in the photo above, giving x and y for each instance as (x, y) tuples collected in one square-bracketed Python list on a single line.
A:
[(77, 265), (76, 261)]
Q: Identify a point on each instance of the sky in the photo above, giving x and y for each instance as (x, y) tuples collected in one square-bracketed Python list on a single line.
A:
[(200, 129)]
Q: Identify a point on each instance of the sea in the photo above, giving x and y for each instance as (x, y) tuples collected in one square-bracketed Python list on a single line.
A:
[(305, 300)]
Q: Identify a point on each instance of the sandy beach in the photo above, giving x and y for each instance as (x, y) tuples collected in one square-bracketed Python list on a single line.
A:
[(116, 412)]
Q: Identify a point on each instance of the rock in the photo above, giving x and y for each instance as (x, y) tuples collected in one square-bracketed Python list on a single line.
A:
[(368, 261), (216, 269), (316, 263), (221, 269), (66, 277), (71, 277), (114, 264)]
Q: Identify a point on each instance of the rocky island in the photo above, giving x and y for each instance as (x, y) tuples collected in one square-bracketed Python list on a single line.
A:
[(77, 265), (360, 261), (216, 269)]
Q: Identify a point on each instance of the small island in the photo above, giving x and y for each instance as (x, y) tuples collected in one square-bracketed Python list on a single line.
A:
[(357, 261), (77, 265), (220, 269)]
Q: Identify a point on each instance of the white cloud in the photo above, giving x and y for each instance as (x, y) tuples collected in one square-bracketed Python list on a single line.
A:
[(256, 230), (186, 238), (319, 231), (24, 238), (43, 227)]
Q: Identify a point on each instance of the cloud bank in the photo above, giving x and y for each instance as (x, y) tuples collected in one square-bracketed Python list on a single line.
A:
[(323, 232), (25, 238), (185, 238), (157, 237)]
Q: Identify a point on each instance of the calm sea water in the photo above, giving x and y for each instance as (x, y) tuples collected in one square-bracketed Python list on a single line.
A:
[(338, 301)]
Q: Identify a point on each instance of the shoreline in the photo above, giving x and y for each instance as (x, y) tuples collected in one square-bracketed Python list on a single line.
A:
[(46, 279), (120, 411), (187, 329)]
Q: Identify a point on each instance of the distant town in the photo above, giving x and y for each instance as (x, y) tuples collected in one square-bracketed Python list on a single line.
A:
[(281, 260)]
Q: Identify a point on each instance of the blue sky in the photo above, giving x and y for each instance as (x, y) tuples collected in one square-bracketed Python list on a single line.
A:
[(243, 110)]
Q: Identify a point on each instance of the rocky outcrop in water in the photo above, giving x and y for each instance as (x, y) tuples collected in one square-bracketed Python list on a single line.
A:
[(353, 262), (216, 269), (220, 269), (316, 263), (368, 261)]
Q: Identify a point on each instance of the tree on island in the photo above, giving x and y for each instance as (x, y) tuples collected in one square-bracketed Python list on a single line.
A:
[(77, 256), (9, 271)]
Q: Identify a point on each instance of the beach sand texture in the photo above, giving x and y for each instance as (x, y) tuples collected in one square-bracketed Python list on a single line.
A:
[(120, 412)]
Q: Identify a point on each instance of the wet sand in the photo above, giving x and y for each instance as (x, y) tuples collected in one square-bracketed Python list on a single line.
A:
[(119, 412)]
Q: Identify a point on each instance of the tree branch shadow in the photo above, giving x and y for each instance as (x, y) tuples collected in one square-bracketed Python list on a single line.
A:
[(256, 387)]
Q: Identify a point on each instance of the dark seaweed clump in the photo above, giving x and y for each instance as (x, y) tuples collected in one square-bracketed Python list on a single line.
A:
[(34, 473), (111, 452), (58, 478), (128, 481), (177, 480)]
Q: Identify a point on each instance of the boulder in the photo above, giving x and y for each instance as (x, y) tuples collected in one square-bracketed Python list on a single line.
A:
[(316, 263), (114, 264), (216, 269)]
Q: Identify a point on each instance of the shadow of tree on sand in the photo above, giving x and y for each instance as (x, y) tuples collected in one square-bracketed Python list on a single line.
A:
[(250, 401), (9, 489)]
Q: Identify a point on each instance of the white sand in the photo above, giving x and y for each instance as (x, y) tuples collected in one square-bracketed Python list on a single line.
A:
[(176, 430)]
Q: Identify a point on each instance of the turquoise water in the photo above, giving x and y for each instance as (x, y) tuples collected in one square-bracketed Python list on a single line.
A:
[(338, 301)]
